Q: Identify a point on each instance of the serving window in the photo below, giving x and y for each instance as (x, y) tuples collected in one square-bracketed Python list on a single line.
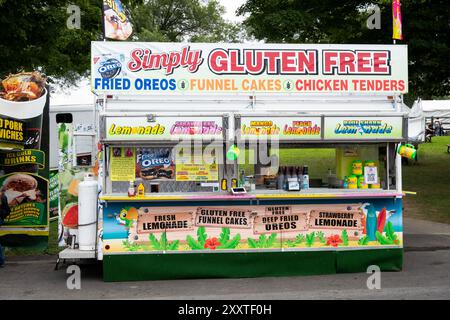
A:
[(289, 167), (164, 168)]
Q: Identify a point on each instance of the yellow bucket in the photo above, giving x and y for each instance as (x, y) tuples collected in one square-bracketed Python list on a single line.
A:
[(352, 182), (369, 163), (408, 151), (357, 167), (361, 183)]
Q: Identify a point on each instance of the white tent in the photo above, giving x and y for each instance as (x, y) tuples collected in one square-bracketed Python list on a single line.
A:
[(416, 123), (435, 108)]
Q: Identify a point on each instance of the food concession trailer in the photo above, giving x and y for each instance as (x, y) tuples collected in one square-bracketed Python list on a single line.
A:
[(246, 160)]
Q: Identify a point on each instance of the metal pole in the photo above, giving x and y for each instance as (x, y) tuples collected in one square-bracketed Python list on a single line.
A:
[(103, 20), (388, 155), (398, 172)]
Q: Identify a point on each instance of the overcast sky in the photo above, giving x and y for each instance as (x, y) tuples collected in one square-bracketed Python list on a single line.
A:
[(231, 6)]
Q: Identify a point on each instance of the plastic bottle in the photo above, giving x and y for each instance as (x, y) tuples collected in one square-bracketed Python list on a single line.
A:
[(295, 173), (242, 178), (141, 190), (132, 189), (345, 186), (289, 172), (300, 176), (280, 178), (285, 180), (305, 178)]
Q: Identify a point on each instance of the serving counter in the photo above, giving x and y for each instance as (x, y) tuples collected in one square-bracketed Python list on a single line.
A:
[(316, 193)]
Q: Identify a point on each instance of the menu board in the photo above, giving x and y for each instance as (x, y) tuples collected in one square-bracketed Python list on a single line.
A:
[(152, 68), (123, 164), (163, 128), (282, 128), (363, 128), (197, 172)]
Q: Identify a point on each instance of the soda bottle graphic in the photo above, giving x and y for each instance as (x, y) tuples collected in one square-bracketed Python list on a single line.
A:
[(371, 223)]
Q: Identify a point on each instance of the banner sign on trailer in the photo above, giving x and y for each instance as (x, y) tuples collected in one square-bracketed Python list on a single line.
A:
[(283, 128), (163, 128), (363, 128), (205, 68), (326, 224), (24, 172)]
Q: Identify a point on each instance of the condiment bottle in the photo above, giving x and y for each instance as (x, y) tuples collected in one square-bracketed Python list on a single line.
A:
[(132, 189), (280, 178), (141, 190), (305, 180)]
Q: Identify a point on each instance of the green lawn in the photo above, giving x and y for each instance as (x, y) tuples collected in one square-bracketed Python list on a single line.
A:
[(430, 178), (318, 160)]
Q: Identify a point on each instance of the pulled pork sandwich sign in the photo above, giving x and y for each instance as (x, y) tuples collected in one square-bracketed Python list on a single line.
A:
[(11, 133), (161, 68), (24, 121)]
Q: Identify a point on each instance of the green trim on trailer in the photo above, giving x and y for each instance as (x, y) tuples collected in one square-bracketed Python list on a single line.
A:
[(134, 267), (358, 261)]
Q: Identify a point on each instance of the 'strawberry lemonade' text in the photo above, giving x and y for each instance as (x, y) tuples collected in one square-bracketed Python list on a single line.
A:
[(195, 127)]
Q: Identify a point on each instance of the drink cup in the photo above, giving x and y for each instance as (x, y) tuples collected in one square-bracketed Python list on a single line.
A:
[(31, 112)]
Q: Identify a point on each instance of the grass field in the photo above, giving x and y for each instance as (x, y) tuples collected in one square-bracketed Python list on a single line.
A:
[(429, 177), (317, 160)]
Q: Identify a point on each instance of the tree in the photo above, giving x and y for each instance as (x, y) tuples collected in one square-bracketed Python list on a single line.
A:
[(426, 29), (35, 35), (179, 20)]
